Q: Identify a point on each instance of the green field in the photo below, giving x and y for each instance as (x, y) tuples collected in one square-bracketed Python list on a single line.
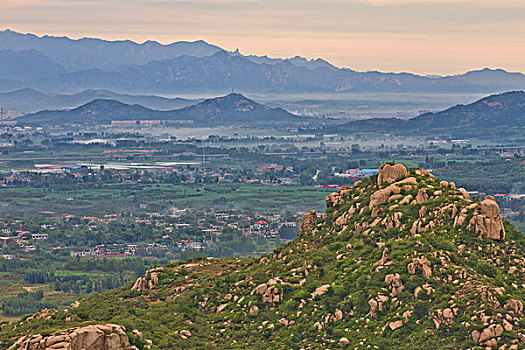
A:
[(117, 197)]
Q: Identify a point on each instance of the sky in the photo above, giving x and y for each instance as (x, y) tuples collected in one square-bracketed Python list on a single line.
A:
[(418, 36)]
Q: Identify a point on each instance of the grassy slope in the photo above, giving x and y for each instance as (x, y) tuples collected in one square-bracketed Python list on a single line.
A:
[(342, 257)]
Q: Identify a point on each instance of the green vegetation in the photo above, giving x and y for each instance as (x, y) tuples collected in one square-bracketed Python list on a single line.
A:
[(382, 273)]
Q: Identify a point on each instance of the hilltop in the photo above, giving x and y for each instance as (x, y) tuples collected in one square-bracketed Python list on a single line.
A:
[(492, 112), (231, 109), (399, 260)]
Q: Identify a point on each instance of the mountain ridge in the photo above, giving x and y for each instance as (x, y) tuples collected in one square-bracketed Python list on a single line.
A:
[(29, 100), (198, 67), (84, 53), (499, 110)]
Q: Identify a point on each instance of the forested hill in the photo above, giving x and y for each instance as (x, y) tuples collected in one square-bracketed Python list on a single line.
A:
[(501, 110), (400, 260)]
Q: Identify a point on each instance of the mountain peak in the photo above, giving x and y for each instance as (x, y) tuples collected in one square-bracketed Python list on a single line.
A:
[(232, 102), (103, 103)]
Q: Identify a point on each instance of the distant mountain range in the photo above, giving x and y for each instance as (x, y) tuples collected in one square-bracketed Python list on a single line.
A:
[(233, 109), (63, 65), (31, 101), (89, 53), (501, 111)]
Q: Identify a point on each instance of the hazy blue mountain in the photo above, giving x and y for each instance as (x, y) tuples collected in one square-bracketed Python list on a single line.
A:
[(224, 70), (27, 65), (233, 109), (96, 53), (487, 77), (296, 61), (501, 111), (507, 109), (31, 101), (63, 65), (216, 74)]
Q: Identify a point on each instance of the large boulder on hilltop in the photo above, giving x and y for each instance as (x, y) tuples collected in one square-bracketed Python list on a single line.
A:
[(488, 221), (93, 337), (390, 173)]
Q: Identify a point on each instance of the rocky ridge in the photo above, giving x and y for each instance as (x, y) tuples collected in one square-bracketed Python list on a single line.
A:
[(400, 260)]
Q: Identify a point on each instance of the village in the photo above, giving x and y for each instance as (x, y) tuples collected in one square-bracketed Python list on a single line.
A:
[(182, 230)]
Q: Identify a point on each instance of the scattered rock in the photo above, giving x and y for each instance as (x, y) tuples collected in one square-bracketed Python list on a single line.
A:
[(320, 290), (272, 295), (381, 196), (515, 305), (343, 342), (384, 258), (254, 310), (422, 263), (222, 307), (492, 331), (338, 314), (185, 334), (394, 281), (395, 325), (464, 193)]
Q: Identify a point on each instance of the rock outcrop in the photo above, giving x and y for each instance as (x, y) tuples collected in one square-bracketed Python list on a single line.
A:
[(308, 222), (270, 293), (422, 263), (395, 283), (381, 196), (390, 173), (148, 281), (95, 337), (487, 222)]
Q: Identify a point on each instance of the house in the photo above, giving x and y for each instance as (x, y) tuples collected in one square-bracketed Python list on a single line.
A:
[(4, 240), (39, 236), (260, 224)]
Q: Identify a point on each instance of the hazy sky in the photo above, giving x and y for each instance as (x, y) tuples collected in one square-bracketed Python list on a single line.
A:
[(422, 36)]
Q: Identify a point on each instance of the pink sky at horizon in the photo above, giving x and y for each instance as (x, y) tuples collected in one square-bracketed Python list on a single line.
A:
[(424, 37)]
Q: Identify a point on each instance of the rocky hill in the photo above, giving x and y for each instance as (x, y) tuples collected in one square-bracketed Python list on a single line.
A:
[(232, 109), (400, 260)]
